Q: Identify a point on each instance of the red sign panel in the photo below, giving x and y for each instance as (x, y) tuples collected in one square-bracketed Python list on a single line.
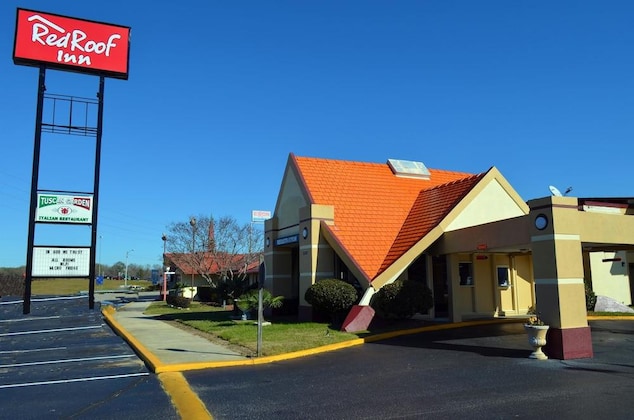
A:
[(71, 44)]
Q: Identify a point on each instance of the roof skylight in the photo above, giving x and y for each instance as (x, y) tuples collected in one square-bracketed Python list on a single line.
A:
[(408, 168)]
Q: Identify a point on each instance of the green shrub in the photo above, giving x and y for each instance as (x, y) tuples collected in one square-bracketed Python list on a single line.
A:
[(402, 299), (591, 298), (178, 301), (249, 301), (331, 297)]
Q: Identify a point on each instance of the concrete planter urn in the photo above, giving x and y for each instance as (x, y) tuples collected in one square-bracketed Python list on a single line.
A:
[(537, 339)]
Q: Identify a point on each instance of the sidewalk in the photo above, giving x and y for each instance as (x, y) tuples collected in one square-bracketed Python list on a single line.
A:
[(163, 346)]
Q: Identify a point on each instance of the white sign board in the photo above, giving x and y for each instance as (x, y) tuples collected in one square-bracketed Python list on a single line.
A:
[(63, 208), (61, 262), (260, 215)]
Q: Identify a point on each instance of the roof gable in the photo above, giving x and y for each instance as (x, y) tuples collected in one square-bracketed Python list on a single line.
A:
[(375, 211), (494, 201), (429, 209)]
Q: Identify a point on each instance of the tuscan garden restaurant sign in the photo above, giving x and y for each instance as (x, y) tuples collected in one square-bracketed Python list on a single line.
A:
[(62, 208), (60, 262), (71, 44)]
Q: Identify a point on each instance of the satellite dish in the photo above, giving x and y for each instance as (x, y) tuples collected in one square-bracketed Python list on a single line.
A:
[(554, 191)]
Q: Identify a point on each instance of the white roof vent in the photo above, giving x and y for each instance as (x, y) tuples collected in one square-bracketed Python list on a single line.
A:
[(408, 169)]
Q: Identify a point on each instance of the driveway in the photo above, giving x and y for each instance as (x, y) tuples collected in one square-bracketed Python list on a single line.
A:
[(478, 372)]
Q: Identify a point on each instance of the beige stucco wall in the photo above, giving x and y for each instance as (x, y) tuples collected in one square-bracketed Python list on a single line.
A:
[(278, 259), (610, 278), (480, 210), (606, 228)]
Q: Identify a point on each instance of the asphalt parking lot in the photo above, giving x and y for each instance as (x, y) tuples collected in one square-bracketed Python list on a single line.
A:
[(480, 372), (63, 361)]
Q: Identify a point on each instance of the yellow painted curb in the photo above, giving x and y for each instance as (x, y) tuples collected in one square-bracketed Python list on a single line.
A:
[(611, 318), (437, 327), (182, 367), (187, 403), (150, 359)]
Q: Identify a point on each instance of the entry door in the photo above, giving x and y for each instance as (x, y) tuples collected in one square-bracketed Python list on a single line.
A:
[(441, 287)]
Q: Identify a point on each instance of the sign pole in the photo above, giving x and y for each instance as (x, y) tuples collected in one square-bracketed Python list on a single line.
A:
[(95, 208), (41, 88)]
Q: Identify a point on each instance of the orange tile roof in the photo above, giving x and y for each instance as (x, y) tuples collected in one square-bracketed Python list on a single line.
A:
[(378, 215)]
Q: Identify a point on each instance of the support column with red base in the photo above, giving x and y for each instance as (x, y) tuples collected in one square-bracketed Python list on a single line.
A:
[(570, 343), (558, 273)]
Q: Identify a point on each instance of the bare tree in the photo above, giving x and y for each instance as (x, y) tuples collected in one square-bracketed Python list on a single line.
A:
[(217, 250)]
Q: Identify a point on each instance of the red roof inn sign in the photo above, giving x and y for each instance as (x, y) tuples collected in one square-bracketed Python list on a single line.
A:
[(72, 44)]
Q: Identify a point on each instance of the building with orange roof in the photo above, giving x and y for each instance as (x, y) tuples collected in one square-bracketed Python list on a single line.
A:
[(482, 250)]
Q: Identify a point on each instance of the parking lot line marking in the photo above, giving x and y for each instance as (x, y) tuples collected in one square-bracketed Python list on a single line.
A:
[(30, 319), (43, 299), (82, 359), (90, 327), (32, 350), (67, 381)]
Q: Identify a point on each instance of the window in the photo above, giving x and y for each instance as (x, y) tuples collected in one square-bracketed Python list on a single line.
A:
[(465, 270), (503, 276)]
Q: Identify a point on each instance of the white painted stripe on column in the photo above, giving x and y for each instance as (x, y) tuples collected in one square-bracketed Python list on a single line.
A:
[(558, 281), (555, 237)]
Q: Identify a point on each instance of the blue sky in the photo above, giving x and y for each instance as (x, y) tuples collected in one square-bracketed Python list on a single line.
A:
[(220, 93)]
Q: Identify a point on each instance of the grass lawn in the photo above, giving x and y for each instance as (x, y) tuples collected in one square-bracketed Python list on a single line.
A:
[(282, 336), (74, 286)]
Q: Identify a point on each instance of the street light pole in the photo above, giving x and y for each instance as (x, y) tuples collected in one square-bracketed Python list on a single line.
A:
[(126, 266), (192, 222), (165, 269)]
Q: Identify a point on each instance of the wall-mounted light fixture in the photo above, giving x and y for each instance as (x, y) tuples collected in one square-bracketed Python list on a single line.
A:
[(305, 233), (268, 241), (541, 221)]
